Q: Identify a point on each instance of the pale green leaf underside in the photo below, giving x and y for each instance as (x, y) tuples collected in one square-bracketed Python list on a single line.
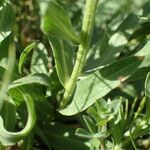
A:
[(63, 55), (56, 22), (100, 83)]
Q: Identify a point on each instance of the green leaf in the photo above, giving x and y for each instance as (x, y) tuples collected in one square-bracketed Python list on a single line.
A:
[(25, 53), (4, 48), (147, 85), (28, 141), (7, 76), (56, 22), (145, 65), (65, 136), (106, 51), (45, 139), (32, 84), (39, 62), (10, 138), (7, 17), (90, 124), (2, 71), (1, 2), (8, 114), (84, 134), (63, 54), (145, 52), (100, 83)]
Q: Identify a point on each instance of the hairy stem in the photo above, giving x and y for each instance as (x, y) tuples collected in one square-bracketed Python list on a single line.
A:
[(87, 27)]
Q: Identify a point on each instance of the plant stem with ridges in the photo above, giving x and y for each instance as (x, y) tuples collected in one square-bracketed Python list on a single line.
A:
[(87, 27)]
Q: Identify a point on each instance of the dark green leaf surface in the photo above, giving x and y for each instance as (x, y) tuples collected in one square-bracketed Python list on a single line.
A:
[(65, 136), (7, 17), (10, 138), (32, 84), (1, 2), (8, 114)]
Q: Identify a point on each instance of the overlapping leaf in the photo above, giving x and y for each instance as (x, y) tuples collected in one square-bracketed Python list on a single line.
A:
[(40, 60), (7, 17), (63, 54), (10, 138), (101, 83), (147, 86), (32, 84), (56, 22), (64, 135), (25, 54)]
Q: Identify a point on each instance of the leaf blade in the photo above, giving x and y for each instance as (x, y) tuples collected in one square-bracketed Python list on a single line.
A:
[(63, 55), (56, 22), (100, 83), (25, 53)]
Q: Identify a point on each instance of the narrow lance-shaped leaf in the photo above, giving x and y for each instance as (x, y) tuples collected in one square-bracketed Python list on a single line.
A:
[(10, 138), (85, 134), (32, 84), (56, 22), (147, 85), (65, 136), (25, 54), (90, 124), (7, 75), (7, 17), (100, 83), (63, 55)]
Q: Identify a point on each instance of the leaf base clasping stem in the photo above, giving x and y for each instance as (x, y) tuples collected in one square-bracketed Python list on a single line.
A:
[(87, 27)]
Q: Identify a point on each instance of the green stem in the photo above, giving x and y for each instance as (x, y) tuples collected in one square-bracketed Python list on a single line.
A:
[(7, 75), (87, 27)]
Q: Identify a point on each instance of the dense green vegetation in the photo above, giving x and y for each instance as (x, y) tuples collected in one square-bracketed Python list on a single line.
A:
[(74, 74)]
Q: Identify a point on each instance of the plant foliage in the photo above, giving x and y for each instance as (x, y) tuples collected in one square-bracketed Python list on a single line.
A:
[(74, 74)]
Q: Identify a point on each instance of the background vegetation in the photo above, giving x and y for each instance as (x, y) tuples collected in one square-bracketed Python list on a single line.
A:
[(110, 107)]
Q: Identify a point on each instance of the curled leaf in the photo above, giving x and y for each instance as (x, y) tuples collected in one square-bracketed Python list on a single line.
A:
[(25, 54), (10, 138)]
